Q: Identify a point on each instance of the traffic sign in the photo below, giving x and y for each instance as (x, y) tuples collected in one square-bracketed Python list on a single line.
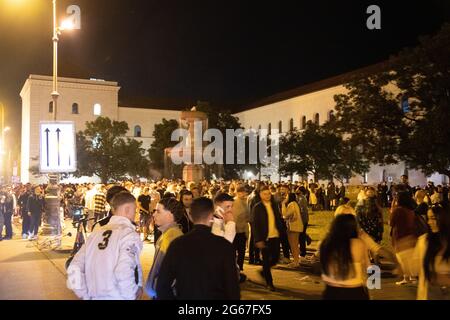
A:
[(57, 147)]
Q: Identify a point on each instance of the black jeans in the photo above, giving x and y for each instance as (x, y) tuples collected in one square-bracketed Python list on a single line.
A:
[(8, 224), (285, 242), (271, 254), (239, 245), (26, 221), (302, 241), (253, 252), (35, 222)]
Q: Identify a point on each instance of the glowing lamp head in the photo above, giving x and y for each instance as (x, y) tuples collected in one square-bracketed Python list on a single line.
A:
[(67, 25)]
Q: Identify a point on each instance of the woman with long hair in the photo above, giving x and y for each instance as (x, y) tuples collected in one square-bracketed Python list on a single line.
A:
[(291, 214), (344, 260), (433, 251), (403, 233), (370, 215)]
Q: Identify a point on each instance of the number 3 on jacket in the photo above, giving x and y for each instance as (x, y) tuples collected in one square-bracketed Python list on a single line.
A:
[(104, 244)]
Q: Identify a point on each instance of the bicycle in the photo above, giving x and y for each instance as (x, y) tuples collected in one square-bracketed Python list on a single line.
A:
[(51, 242), (79, 222)]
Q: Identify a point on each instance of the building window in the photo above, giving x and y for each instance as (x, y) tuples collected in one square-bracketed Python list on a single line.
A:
[(291, 125), (137, 131), (303, 122), (75, 108), (269, 129), (280, 127), (317, 119), (50, 107), (97, 109), (331, 115)]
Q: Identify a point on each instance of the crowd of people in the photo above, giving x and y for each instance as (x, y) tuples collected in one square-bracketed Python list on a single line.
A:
[(420, 236), (202, 231)]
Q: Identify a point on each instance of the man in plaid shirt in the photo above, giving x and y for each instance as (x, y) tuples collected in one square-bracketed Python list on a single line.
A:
[(100, 202)]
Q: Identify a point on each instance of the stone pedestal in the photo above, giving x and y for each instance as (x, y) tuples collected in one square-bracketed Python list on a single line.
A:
[(196, 123), (193, 172), (52, 225)]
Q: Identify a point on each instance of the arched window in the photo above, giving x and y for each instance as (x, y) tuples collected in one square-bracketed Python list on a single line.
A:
[(291, 125), (303, 122), (50, 107), (269, 129), (97, 109), (137, 131), (280, 126), (75, 108), (317, 119), (331, 115)]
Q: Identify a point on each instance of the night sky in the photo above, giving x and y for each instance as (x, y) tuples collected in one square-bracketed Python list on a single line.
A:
[(169, 54)]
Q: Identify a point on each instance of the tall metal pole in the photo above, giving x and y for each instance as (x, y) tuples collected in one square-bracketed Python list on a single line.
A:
[(52, 201), (55, 39)]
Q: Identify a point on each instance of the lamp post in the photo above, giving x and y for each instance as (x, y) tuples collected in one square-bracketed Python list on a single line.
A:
[(56, 32), (52, 199)]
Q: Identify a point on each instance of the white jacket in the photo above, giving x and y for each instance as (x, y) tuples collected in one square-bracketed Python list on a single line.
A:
[(219, 228), (107, 267)]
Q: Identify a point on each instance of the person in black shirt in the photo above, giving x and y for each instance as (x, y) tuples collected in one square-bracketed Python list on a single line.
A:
[(199, 265), (144, 212), (26, 220), (35, 208), (186, 198)]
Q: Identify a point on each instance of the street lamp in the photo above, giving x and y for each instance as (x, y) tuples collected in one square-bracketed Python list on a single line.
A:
[(52, 198), (66, 25)]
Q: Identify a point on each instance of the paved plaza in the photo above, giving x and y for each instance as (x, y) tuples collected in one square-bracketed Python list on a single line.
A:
[(30, 273)]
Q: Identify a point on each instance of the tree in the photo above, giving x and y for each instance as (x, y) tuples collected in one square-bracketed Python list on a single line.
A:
[(401, 112), (103, 150), (319, 151), (223, 120), (162, 133)]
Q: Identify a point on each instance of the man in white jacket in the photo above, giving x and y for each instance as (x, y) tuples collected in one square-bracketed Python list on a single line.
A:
[(107, 267)]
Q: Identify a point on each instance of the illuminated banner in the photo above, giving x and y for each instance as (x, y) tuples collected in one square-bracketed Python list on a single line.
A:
[(57, 147)]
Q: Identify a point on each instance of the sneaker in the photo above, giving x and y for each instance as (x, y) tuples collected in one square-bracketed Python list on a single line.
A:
[(293, 265), (271, 288), (285, 260), (25, 236), (413, 280), (401, 283), (242, 277), (261, 274)]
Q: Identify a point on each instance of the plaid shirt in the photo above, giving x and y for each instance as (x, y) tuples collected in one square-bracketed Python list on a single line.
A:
[(100, 202)]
